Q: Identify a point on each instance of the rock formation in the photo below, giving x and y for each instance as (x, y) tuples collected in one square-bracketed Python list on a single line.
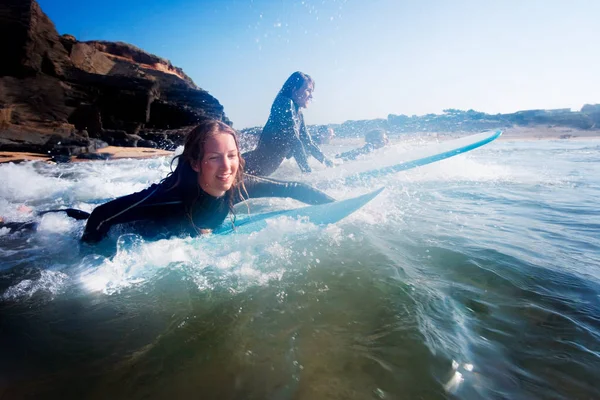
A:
[(62, 96)]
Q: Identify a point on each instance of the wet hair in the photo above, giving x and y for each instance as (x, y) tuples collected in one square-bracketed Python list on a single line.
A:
[(186, 179), (376, 137), (295, 82)]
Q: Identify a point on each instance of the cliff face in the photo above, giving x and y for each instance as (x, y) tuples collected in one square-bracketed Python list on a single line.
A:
[(55, 85)]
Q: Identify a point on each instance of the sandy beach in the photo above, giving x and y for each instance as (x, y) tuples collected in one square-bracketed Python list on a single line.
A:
[(115, 154)]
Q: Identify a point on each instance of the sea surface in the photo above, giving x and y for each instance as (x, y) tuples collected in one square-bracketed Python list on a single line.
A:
[(476, 277)]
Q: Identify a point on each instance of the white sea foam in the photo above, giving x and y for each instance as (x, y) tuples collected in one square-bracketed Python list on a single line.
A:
[(50, 283), (236, 261), (412, 200)]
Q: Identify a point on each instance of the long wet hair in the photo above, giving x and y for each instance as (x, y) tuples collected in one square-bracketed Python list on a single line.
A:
[(186, 179), (295, 82)]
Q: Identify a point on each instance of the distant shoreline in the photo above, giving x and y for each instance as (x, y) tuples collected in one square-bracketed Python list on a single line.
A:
[(509, 134), (528, 134)]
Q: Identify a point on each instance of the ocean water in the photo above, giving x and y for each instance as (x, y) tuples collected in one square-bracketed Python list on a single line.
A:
[(474, 277)]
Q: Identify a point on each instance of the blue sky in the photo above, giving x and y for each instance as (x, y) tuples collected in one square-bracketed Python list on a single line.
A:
[(368, 58)]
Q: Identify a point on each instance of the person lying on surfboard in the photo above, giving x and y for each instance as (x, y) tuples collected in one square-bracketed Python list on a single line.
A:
[(375, 139), (198, 195), (285, 134)]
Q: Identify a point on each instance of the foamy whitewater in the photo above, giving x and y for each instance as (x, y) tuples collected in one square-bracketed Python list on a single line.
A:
[(473, 277)]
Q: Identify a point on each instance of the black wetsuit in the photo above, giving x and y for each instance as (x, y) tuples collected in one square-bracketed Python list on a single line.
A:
[(284, 135), (166, 209), (19, 226), (353, 154), (32, 224)]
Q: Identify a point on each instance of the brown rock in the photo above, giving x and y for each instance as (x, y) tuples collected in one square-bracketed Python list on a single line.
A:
[(34, 45), (147, 143), (49, 82)]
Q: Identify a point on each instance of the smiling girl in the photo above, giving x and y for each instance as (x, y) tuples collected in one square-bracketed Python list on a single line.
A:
[(202, 190)]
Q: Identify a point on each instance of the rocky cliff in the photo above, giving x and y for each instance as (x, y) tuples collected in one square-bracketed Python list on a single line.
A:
[(63, 96)]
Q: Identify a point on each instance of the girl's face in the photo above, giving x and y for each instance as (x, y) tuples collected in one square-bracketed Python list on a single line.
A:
[(217, 170), (303, 95)]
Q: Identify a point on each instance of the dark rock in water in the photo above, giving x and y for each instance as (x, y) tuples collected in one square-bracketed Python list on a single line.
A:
[(161, 139), (94, 156), (147, 143), (168, 144), (154, 136), (55, 85), (120, 138), (57, 140), (61, 158), (96, 144), (71, 145)]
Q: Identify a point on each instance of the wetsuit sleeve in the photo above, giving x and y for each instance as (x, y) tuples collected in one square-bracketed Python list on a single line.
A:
[(299, 154), (312, 148), (118, 211), (71, 212), (266, 187), (31, 225), (19, 226)]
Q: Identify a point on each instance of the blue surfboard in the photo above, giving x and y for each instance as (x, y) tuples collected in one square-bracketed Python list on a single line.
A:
[(430, 155), (333, 212), (322, 214)]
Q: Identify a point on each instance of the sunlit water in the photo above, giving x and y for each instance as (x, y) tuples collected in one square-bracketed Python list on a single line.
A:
[(474, 277)]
